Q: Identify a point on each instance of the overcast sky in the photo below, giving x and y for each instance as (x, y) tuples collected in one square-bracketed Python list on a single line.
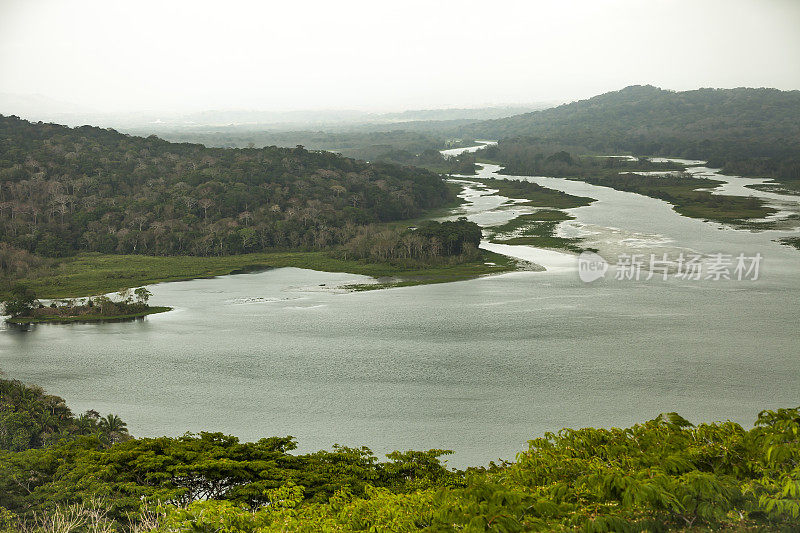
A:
[(375, 55)]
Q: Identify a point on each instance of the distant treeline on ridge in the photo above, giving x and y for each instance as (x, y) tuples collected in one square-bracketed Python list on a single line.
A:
[(744, 131)]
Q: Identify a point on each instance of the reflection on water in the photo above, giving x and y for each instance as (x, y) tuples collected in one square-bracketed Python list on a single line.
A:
[(478, 366)]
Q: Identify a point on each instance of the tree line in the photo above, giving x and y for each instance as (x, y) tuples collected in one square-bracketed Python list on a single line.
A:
[(429, 243)]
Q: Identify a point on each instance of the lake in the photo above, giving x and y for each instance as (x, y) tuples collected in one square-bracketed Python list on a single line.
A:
[(478, 367)]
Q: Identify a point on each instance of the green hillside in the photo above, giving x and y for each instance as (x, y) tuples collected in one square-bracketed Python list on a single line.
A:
[(744, 130)]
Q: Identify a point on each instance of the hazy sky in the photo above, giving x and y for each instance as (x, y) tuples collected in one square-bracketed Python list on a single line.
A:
[(183, 55)]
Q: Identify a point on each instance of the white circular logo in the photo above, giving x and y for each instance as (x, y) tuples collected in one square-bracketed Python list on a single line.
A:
[(591, 266)]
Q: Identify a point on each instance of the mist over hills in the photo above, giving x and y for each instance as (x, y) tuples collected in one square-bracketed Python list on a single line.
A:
[(37, 107)]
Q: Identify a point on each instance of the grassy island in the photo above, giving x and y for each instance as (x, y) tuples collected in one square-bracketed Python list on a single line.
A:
[(535, 194), (537, 229), (24, 307), (690, 196)]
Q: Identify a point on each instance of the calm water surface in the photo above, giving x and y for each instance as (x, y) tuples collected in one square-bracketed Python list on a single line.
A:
[(478, 366)]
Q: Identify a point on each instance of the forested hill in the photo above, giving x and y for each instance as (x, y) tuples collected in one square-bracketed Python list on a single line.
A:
[(748, 130), (66, 190)]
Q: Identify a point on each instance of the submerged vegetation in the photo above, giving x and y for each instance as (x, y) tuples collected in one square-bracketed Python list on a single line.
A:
[(87, 474), (537, 229), (791, 241)]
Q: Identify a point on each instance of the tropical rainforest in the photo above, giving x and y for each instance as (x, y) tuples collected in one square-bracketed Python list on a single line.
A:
[(61, 472), (754, 132), (64, 190)]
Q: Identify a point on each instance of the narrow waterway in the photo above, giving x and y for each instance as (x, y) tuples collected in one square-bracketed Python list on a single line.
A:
[(624, 223)]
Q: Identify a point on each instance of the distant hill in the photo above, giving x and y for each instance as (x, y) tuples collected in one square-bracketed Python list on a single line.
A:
[(36, 107), (329, 118), (754, 131), (478, 113)]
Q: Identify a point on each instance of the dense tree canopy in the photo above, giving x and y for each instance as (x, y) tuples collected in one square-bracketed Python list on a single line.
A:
[(65, 190), (31, 419), (432, 241)]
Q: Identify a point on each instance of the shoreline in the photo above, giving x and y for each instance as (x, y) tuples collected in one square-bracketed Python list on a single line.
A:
[(93, 273)]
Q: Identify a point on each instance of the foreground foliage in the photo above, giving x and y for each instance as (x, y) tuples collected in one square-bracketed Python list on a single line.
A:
[(660, 475), (31, 419)]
